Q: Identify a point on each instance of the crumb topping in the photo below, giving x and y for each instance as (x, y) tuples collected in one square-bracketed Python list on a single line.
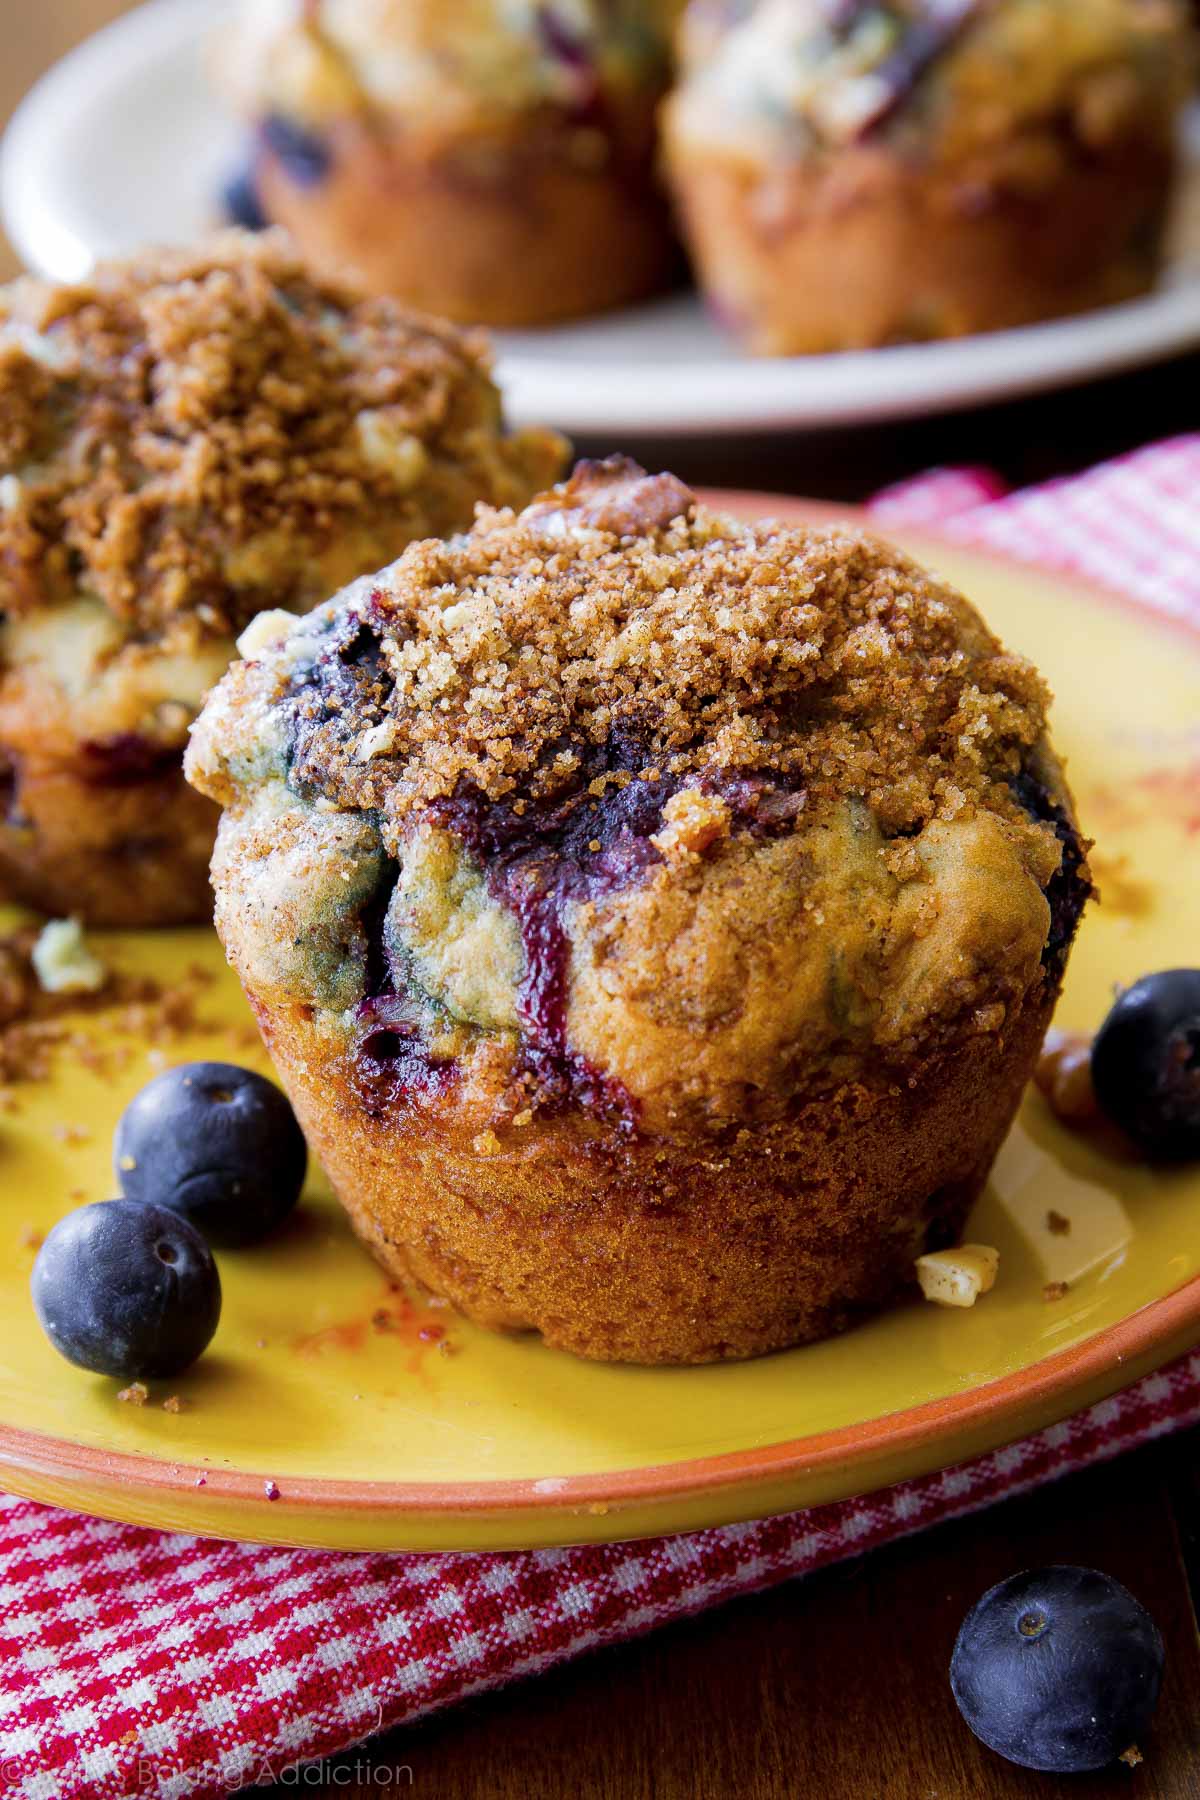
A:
[(625, 805), (197, 430), (616, 631)]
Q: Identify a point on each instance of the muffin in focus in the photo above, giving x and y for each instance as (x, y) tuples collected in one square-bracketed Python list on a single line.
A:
[(492, 163), (850, 173), (185, 438), (654, 918)]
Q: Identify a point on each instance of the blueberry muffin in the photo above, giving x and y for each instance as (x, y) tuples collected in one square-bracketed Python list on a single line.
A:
[(654, 918), (491, 162), (861, 172), (186, 438)]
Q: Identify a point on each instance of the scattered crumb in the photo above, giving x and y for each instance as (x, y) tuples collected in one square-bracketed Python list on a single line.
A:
[(1056, 1224), (691, 822), (382, 1320), (127, 1163), (958, 1277), (1131, 1757), (136, 1394), (485, 1143), (271, 1490), (201, 1481), (436, 1301), (70, 1134), (174, 1404), (36, 1025), (432, 1334), (448, 1347), (30, 1238), (598, 1508), (78, 1195), (524, 1117), (1055, 1290), (62, 961)]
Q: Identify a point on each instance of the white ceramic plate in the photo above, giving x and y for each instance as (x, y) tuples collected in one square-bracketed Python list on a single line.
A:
[(124, 143)]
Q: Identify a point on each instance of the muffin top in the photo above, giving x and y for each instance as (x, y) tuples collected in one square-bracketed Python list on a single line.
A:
[(954, 77), (452, 63), (190, 434), (625, 802)]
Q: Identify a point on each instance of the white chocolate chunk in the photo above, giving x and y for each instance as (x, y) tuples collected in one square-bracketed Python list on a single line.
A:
[(958, 1277), (62, 961), (264, 630)]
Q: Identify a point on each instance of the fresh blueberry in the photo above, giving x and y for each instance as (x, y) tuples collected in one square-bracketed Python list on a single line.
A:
[(1058, 1669), (217, 1144), (1146, 1064), (127, 1290), (241, 202)]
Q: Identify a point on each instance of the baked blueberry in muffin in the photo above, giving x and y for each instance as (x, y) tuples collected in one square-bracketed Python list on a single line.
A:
[(186, 438), (858, 172), (654, 918), (491, 162)]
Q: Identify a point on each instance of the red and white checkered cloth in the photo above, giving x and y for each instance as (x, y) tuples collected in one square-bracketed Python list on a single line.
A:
[(136, 1662)]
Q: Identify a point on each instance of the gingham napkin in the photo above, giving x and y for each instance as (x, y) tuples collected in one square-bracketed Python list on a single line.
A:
[(137, 1662)]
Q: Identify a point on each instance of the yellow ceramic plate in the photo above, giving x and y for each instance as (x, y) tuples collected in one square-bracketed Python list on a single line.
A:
[(334, 1410)]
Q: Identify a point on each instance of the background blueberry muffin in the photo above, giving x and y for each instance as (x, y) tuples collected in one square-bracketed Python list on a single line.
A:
[(185, 438), (654, 918), (491, 162), (853, 173)]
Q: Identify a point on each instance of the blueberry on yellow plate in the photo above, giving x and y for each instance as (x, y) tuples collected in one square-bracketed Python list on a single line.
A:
[(653, 918), (187, 437), (860, 172)]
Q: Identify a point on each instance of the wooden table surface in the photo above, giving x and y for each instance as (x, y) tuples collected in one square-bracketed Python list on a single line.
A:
[(834, 1688)]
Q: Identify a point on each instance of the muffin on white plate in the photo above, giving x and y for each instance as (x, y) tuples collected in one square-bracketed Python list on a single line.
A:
[(186, 437), (491, 162), (859, 172)]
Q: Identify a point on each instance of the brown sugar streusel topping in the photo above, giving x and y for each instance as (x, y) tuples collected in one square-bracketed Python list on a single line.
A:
[(616, 623), (174, 430)]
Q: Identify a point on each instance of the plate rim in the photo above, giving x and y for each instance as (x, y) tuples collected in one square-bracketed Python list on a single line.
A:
[(1160, 1324), (1045, 1391), (765, 394)]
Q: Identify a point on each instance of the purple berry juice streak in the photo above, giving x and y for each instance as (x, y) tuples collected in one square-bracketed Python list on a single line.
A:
[(563, 46), (391, 1060), (559, 39), (931, 33), (536, 863)]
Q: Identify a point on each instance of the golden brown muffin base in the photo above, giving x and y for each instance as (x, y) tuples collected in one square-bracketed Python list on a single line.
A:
[(125, 856), (505, 230), (651, 1251), (868, 249)]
